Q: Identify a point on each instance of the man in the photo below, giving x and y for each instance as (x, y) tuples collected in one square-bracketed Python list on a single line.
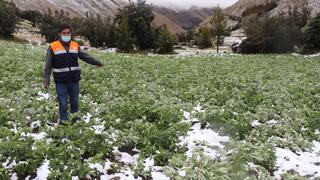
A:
[(62, 58)]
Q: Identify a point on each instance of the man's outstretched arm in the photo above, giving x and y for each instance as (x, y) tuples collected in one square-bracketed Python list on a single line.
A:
[(89, 59), (47, 68)]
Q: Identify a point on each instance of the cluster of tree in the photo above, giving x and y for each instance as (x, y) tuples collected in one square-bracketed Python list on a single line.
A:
[(186, 37), (132, 28), (204, 38), (8, 18), (282, 33), (214, 33), (135, 28), (33, 16), (312, 35)]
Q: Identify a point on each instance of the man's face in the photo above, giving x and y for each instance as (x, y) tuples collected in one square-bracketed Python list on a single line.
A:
[(65, 32)]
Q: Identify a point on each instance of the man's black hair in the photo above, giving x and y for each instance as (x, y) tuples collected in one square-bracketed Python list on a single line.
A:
[(65, 26)]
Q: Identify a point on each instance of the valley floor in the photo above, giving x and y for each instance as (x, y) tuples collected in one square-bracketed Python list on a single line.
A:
[(199, 116)]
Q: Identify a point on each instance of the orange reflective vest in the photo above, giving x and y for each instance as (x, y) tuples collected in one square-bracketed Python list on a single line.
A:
[(65, 64)]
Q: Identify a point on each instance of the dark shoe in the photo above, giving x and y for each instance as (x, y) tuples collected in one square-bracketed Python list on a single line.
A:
[(75, 120)]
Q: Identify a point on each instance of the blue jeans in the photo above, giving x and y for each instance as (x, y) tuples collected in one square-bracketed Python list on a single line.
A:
[(65, 91)]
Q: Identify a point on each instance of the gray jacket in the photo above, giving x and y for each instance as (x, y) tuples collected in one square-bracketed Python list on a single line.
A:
[(82, 55)]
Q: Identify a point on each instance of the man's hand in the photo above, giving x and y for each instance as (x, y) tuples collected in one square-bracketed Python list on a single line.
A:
[(46, 84)]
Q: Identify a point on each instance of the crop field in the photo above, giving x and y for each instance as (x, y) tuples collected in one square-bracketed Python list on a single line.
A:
[(163, 117)]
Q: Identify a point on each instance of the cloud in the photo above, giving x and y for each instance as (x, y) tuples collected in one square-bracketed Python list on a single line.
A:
[(190, 3)]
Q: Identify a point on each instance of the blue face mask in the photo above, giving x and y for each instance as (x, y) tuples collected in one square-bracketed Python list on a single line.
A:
[(66, 38)]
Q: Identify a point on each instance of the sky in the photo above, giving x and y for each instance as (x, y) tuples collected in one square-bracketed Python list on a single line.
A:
[(190, 3)]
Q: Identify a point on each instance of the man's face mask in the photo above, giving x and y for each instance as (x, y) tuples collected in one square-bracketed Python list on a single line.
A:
[(66, 38)]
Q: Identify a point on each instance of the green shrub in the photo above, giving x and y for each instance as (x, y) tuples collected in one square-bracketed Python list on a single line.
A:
[(312, 34), (51, 22), (165, 41), (8, 18), (31, 15), (204, 38)]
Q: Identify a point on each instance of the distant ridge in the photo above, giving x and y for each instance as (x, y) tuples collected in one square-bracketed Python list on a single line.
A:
[(176, 21)]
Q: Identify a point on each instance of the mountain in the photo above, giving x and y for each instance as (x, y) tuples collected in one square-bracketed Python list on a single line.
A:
[(177, 21), (237, 9), (187, 18), (235, 12), (161, 20), (106, 8)]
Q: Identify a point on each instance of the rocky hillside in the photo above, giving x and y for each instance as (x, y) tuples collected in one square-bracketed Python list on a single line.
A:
[(173, 27), (235, 12), (187, 19), (107, 8), (239, 7)]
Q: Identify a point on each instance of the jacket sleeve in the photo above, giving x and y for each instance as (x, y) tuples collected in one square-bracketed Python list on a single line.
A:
[(88, 59), (48, 66)]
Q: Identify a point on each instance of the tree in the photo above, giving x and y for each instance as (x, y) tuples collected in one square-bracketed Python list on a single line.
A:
[(280, 33), (185, 37), (8, 18), (312, 34), (204, 38), (219, 24), (165, 40), (140, 19), (98, 31), (51, 22), (124, 39), (31, 15)]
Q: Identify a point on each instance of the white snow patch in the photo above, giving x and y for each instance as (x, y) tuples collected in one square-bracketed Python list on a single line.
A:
[(14, 176), (271, 122), (207, 139), (312, 55), (15, 128), (35, 124), (75, 178), (124, 175), (111, 50), (87, 118), (199, 108), (43, 96), (182, 173), (98, 128), (255, 124), (159, 176), (204, 139), (128, 159), (6, 164), (304, 163), (156, 171), (186, 115), (148, 164), (38, 136), (43, 171), (98, 167), (124, 157)]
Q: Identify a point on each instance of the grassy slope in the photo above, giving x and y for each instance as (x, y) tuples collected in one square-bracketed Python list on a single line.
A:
[(146, 95)]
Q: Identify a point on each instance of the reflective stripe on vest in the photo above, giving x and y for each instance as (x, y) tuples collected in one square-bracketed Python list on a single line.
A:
[(61, 70), (58, 48)]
